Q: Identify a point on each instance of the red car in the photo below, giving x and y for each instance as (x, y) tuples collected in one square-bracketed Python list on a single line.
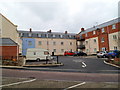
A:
[(68, 53)]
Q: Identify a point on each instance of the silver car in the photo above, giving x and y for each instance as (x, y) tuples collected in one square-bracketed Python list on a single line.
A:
[(102, 54)]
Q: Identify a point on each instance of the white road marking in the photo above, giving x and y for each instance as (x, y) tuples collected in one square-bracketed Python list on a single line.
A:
[(75, 85), (17, 83), (84, 65)]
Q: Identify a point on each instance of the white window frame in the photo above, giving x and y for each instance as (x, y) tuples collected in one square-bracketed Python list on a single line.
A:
[(102, 39), (39, 42), (61, 36), (86, 42), (62, 50), (30, 34), (94, 32), (94, 40), (29, 43), (53, 35), (54, 43), (54, 50), (86, 34), (62, 43), (103, 30), (113, 26), (115, 47), (95, 50), (39, 35), (71, 43), (114, 36)]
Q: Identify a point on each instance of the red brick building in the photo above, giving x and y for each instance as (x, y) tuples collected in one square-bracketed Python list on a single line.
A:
[(103, 37)]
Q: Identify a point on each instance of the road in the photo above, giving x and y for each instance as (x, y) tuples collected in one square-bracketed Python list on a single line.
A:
[(70, 76), (81, 64), (75, 71)]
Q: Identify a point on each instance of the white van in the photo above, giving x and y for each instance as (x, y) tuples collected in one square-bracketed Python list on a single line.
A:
[(38, 54)]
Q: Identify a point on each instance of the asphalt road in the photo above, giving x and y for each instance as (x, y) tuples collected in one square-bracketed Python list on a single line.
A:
[(65, 76), (81, 64)]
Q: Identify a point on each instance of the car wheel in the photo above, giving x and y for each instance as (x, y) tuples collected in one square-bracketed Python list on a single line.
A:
[(98, 57), (38, 59), (104, 56)]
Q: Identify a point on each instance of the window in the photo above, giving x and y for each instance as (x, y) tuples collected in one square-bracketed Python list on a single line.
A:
[(53, 35), (86, 42), (113, 26), (115, 48), (20, 34), (102, 39), (95, 40), (70, 50), (70, 43), (29, 43), (103, 30), (54, 50), (86, 35), (95, 50), (103, 49), (61, 36), (62, 50), (39, 35), (29, 34), (68, 36), (47, 35), (87, 50), (39, 43), (54, 43), (114, 37), (46, 52), (62, 43), (94, 32), (47, 43), (34, 53)]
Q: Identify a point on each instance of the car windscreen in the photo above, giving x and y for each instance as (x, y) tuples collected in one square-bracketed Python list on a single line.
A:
[(46, 53)]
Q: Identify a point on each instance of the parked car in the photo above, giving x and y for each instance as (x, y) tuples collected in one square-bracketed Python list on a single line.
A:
[(68, 53), (102, 54), (113, 54), (80, 54)]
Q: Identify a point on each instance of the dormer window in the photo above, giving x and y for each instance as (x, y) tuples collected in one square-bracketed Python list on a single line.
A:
[(39, 35), (53, 35), (20, 34), (30, 34), (113, 26), (94, 32), (103, 30)]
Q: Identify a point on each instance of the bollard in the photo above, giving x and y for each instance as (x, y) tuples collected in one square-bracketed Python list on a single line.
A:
[(57, 60), (46, 59)]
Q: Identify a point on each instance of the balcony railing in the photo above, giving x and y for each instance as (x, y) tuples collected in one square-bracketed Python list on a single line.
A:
[(81, 47), (80, 38)]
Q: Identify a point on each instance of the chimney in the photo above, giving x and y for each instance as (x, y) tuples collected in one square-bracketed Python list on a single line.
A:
[(82, 29), (30, 29), (49, 31), (66, 32)]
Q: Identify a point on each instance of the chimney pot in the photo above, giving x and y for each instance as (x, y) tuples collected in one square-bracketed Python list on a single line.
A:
[(30, 29), (49, 31), (66, 32), (82, 29)]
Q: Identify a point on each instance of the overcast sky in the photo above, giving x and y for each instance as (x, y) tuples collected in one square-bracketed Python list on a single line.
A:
[(59, 15)]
